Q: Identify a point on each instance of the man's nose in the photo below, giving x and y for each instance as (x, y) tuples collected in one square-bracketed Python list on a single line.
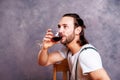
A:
[(61, 30)]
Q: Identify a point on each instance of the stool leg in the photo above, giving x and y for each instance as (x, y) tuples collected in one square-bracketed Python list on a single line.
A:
[(54, 73)]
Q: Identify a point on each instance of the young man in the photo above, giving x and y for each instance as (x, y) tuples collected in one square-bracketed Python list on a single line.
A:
[(84, 60)]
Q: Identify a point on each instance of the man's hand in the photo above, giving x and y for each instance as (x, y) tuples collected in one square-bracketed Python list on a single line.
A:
[(47, 40)]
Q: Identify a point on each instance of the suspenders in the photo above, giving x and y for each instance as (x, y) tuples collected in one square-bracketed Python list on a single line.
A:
[(78, 59)]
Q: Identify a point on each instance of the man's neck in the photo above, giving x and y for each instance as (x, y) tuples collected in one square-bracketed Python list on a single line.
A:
[(74, 47)]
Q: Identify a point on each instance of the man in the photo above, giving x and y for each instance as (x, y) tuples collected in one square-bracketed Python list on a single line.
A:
[(84, 60)]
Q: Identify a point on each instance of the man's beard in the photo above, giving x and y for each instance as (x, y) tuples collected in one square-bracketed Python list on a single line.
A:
[(68, 39)]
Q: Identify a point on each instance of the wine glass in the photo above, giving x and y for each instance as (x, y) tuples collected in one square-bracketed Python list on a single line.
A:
[(57, 37)]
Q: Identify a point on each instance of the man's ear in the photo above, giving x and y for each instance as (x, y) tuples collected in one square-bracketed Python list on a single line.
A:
[(78, 30)]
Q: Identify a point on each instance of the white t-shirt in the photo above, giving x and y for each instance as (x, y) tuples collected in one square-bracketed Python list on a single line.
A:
[(89, 60)]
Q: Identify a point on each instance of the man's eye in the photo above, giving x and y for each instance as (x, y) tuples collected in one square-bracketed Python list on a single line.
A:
[(58, 26), (65, 26)]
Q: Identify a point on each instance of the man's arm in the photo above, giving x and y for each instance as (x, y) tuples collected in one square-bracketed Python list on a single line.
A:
[(45, 58), (99, 74)]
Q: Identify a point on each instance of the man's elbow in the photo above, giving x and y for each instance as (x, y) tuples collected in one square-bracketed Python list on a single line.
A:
[(42, 64)]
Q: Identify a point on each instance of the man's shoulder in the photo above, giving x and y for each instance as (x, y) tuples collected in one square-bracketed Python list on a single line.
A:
[(88, 49)]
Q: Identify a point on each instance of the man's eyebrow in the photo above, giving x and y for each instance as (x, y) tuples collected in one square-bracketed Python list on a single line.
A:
[(62, 25)]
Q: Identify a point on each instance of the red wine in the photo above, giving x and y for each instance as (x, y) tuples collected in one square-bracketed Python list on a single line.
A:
[(56, 38)]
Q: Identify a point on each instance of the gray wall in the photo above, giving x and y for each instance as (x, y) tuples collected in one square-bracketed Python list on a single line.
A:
[(24, 22)]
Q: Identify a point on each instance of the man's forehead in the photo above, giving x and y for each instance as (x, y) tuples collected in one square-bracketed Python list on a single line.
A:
[(66, 20)]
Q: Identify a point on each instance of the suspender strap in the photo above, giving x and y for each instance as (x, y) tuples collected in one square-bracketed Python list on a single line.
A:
[(78, 59)]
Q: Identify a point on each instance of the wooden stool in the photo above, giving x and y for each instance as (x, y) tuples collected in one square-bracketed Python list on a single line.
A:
[(61, 67)]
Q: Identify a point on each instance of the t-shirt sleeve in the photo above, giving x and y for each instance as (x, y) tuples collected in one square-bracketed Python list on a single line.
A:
[(90, 60)]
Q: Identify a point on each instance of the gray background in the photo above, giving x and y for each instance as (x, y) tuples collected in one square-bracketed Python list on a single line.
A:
[(23, 24)]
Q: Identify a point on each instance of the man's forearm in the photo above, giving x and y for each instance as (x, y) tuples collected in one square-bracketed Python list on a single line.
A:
[(43, 56)]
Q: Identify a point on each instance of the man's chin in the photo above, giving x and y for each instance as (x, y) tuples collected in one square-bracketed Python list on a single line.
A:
[(63, 42)]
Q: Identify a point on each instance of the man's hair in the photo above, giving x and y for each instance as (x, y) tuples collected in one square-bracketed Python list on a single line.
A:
[(78, 22)]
